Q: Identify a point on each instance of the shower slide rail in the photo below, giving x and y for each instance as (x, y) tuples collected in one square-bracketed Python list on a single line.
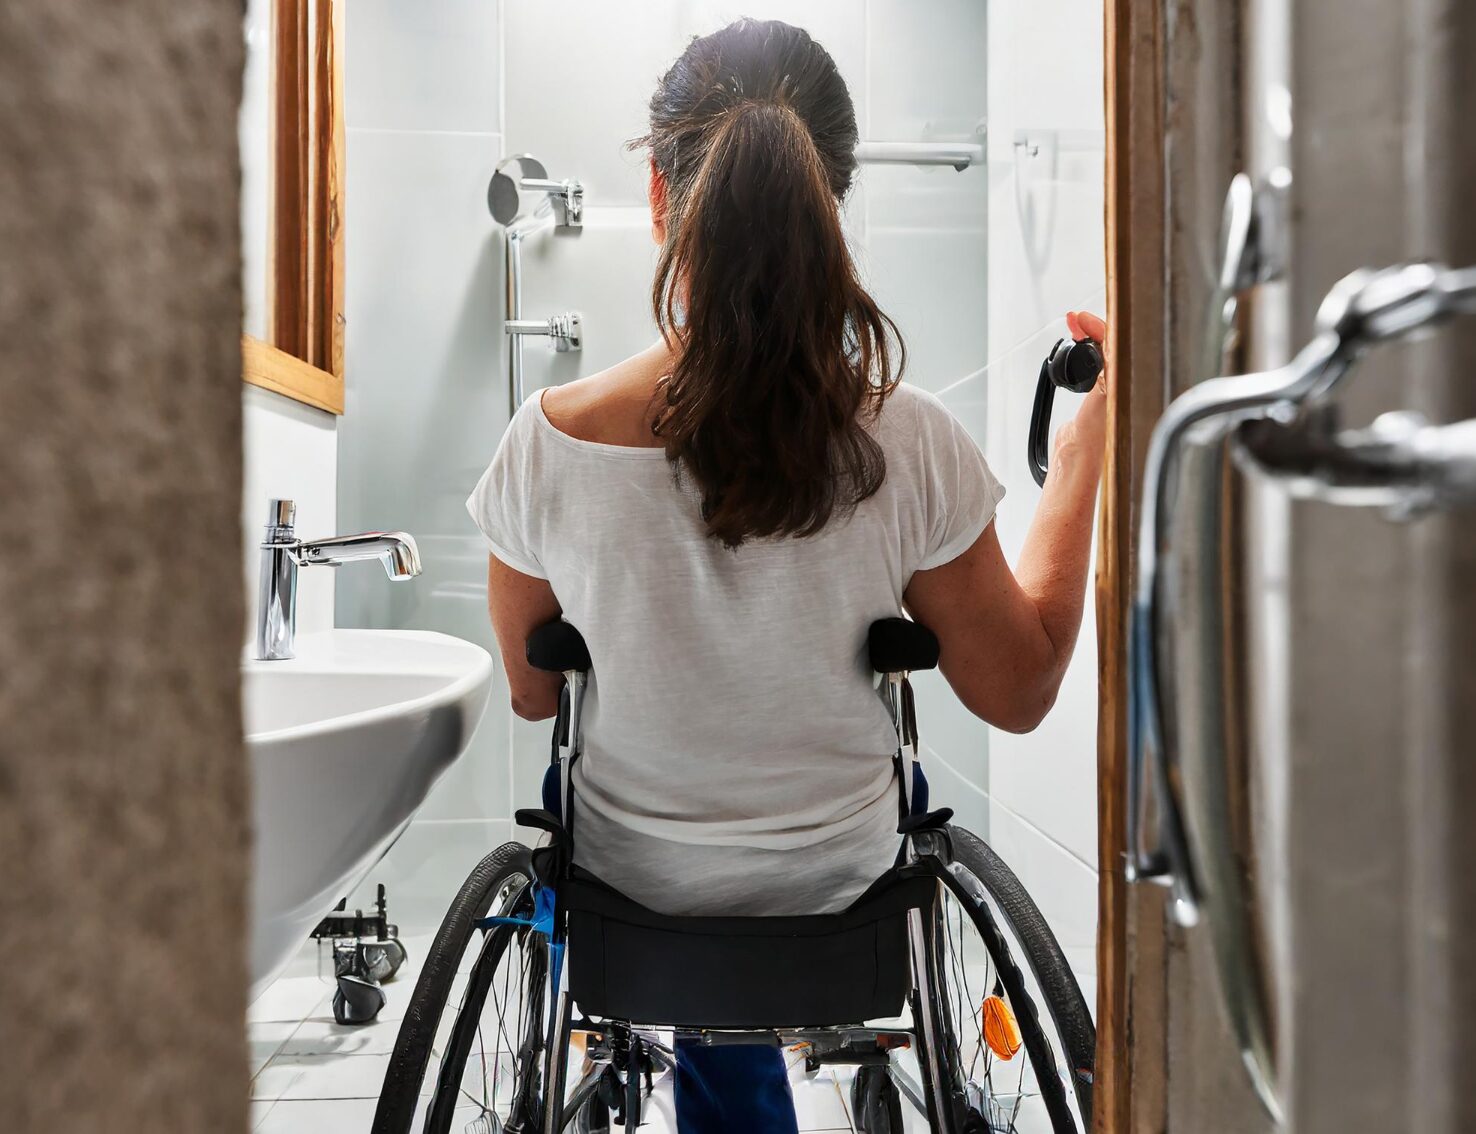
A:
[(560, 209), (1177, 735)]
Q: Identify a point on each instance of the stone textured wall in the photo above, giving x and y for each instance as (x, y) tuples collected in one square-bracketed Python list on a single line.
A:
[(123, 808)]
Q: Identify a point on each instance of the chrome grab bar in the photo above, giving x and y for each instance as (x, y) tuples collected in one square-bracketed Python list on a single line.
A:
[(960, 155), (1399, 463), (560, 208)]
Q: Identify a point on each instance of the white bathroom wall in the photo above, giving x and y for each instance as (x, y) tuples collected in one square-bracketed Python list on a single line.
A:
[(291, 452), (253, 127), (437, 92), (424, 400), (1046, 248)]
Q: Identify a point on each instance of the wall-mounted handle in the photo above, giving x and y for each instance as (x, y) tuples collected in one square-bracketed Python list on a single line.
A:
[(1073, 365), (563, 201), (1176, 730)]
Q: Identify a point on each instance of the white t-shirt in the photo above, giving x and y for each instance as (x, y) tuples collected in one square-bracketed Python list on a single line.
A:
[(737, 757)]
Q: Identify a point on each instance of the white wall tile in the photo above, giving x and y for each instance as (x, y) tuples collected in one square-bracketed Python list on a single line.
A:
[(604, 273), (1049, 775), (575, 97), (426, 404), (925, 260), (1062, 887), (579, 77), (425, 389), (963, 791), (905, 46), (422, 66), (290, 452), (1045, 243), (425, 868), (1050, 52)]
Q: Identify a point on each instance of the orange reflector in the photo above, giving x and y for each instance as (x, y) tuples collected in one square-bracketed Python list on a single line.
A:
[(1001, 1032)]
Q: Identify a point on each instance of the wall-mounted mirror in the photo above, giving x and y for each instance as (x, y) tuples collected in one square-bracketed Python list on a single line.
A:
[(292, 168)]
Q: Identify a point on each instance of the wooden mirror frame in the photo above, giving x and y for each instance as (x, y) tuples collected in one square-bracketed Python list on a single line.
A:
[(303, 357)]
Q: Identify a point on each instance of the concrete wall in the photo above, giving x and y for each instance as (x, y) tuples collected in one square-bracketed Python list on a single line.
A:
[(123, 841)]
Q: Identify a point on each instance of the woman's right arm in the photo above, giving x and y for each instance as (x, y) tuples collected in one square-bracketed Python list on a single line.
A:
[(1006, 637)]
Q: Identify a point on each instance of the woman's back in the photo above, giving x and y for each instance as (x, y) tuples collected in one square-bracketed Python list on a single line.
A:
[(737, 755)]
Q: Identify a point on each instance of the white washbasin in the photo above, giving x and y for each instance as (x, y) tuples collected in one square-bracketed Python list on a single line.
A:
[(345, 741)]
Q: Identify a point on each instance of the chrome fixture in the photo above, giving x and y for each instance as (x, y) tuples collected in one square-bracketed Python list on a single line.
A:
[(563, 200), (1277, 423), (561, 208), (282, 553), (1052, 141), (960, 155), (564, 330)]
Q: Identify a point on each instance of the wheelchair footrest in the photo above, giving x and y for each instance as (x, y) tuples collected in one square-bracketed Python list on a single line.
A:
[(627, 962)]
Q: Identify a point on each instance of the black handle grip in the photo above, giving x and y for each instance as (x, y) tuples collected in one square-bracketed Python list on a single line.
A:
[(1040, 426), (1074, 366)]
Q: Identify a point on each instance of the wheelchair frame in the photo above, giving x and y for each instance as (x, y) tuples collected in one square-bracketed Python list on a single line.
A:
[(903, 646)]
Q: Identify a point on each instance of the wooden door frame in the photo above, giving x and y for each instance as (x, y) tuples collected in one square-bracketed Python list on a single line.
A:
[(303, 355), (1136, 245)]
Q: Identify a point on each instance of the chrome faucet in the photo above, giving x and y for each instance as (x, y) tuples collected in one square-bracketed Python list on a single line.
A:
[(282, 553)]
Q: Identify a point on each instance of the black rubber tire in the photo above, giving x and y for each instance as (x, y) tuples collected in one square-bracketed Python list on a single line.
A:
[(1064, 1002), (401, 1091)]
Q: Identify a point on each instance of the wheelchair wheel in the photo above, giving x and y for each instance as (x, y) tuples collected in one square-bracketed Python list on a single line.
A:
[(1016, 1042), (474, 1028)]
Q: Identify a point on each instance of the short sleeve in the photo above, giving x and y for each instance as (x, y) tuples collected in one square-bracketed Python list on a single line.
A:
[(502, 505), (960, 491)]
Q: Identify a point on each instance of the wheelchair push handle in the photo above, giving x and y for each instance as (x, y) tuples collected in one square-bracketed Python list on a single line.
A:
[(898, 645), (558, 648), (894, 645)]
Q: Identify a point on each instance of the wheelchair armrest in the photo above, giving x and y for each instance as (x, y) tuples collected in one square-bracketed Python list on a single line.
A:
[(557, 647), (896, 645)]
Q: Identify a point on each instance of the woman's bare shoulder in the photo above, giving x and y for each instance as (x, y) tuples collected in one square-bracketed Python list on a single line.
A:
[(612, 407)]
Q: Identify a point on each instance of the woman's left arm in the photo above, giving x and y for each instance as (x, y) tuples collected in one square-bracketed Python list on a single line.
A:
[(519, 604)]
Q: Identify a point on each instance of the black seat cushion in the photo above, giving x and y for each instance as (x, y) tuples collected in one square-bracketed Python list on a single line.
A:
[(627, 962)]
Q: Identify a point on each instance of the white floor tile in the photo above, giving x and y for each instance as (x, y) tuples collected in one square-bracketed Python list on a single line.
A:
[(319, 1036), (817, 1102), (291, 998), (333, 1076), (319, 1116), (264, 1040), (272, 1081), (259, 1109)]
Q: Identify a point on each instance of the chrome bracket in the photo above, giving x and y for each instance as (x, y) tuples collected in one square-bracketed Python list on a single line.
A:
[(565, 331), (1400, 463)]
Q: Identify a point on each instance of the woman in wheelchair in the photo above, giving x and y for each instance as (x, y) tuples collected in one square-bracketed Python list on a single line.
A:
[(717, 538)]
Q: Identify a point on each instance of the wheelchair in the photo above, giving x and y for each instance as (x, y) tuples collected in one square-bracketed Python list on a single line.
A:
[(550, 1001)]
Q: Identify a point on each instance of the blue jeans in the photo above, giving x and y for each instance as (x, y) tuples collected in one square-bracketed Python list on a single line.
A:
[(733, 1089)]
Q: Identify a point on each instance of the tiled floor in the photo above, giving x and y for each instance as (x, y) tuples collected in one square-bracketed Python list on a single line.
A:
[(312, 1076)]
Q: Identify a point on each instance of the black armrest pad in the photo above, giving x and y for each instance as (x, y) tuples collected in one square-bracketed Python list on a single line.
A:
[(557, 647)]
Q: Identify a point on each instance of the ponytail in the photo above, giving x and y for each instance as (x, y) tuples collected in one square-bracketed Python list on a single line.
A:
[(781, 356)]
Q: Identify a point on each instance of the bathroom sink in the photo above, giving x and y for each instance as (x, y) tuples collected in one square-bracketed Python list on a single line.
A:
[(345, 741)]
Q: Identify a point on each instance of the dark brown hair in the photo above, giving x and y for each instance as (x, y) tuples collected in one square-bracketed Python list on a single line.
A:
[(780, 352)]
